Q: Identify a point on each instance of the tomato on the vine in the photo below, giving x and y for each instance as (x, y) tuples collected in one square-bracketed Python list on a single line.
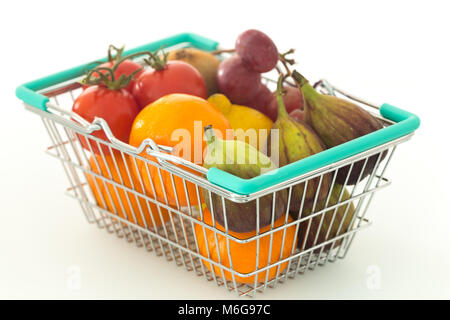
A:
[(125, 66), (166, 77), (106, 98)]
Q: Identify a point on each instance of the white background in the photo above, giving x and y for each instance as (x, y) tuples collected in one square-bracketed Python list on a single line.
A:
[(385, 51)]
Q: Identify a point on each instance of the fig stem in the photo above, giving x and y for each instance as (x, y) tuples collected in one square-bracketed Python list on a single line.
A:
[(303, 84), (299, 79), (281, 107)]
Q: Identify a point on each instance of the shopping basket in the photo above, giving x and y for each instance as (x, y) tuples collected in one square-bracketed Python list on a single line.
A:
[(112, 196)]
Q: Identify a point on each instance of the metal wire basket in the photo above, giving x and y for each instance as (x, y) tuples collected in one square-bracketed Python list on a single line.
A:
[(111, 191)]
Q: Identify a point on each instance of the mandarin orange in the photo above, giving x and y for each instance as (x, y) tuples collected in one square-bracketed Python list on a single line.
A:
[(126, 204), (175, 120), (244, 255)]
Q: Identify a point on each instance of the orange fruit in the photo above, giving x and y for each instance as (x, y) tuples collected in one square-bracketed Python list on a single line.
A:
[(175, 120), (243, 255), (116, 199)]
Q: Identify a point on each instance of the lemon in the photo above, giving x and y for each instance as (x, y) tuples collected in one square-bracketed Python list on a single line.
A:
[(249, 125)]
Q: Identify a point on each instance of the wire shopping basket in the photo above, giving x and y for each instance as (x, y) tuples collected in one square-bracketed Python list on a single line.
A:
[(111, 190)]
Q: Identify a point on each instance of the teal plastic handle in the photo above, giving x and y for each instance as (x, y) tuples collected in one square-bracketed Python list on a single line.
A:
[(405, 123), (27, 92)]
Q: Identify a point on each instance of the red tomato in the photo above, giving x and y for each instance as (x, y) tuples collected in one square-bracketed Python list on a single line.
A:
[(117, 107), (175, 77), (126, 67)]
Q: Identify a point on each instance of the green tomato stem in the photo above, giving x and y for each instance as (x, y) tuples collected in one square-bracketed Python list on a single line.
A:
[(118, 55)]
